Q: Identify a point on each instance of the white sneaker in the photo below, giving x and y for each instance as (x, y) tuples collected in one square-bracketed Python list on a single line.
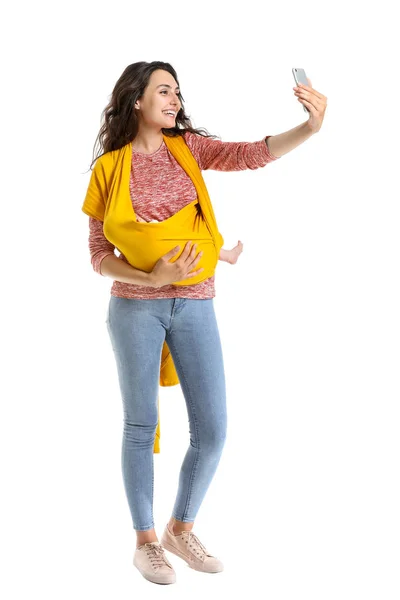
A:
[(187, 546), (151, 561)]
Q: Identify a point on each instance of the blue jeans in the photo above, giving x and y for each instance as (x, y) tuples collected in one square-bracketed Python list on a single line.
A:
[(138, 329)]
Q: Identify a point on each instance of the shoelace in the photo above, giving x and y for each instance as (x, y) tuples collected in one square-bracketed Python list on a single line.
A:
[(156, 554), (198, 546)]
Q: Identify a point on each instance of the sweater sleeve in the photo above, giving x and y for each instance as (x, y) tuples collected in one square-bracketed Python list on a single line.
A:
[(228, 156), (99, 245)]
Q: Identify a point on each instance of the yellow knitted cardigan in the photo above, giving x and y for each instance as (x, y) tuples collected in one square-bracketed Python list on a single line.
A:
[(108, 200)]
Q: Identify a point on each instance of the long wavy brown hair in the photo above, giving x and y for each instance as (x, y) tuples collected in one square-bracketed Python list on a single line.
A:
[(120, 121)]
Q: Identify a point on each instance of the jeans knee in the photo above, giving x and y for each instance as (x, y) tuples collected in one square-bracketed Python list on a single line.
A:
[(139, 435), (215, 440)]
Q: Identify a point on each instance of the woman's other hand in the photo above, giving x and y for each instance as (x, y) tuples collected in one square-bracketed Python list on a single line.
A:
[(165, 272)]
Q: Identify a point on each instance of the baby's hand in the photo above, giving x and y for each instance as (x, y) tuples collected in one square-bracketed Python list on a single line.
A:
[(231, 256)]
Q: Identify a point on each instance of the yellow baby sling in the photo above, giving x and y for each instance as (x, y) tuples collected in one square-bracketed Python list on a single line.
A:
[(108, 199)]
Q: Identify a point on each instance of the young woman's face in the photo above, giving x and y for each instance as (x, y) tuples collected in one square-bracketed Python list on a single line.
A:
[(161, 95)]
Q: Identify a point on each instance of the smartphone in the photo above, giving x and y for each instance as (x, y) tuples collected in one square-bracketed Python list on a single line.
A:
[(300, 77)]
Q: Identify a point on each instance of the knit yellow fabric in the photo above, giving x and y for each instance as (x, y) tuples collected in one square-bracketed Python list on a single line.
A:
[(143, 244)]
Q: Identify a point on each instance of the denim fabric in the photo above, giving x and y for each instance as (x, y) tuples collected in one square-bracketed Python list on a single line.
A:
[(137, 329)]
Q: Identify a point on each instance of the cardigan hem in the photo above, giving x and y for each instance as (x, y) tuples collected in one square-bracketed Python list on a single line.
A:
[(157, 297)]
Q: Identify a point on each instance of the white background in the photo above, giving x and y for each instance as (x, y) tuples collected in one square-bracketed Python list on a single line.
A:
[(303, 504)]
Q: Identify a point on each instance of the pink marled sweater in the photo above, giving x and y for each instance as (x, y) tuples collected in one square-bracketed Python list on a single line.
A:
[(159, 188)]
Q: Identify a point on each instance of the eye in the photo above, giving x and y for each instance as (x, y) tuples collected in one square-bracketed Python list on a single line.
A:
[(166, 91)]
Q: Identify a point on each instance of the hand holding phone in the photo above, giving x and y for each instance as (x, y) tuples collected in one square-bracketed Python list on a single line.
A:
[(300, 77)]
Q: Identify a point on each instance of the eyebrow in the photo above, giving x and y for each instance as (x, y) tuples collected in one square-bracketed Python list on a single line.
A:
[(168, 86)]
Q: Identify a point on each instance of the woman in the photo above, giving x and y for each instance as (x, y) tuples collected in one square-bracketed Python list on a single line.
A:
[(163, 305)]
